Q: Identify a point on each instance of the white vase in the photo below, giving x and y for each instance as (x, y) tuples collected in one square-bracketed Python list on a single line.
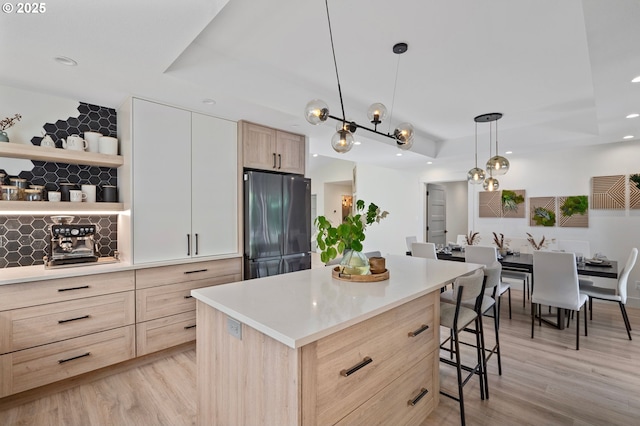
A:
[(354, 263)]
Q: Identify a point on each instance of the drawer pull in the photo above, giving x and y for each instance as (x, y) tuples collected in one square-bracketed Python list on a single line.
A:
[(423, 327), (196, 271), (345, 373), (415, 400), (190, 326), (73, 319), (62, 361), (188, 297), (73, 288)]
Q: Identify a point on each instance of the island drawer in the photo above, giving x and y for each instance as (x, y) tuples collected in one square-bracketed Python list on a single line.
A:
[(165, 300), (345, 369), (39, 325), (30, 368), (163, 275), (158, 334), (15, 296), (408, 400)]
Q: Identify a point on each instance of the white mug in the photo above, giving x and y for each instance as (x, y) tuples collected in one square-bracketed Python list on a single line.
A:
[(108, 145), (89, 192), (74, 142), (76, 196), (54, 196), (92, 139)]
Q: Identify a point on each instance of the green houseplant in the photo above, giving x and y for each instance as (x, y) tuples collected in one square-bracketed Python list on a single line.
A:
[(348, 236)]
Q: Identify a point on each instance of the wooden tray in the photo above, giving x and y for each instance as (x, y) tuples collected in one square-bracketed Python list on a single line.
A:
[(335, 272)]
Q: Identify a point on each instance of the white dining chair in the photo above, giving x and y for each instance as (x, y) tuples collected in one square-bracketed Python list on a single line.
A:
[(488, 255), (425, 250), (557, 286), (618, 294), (410, 240)]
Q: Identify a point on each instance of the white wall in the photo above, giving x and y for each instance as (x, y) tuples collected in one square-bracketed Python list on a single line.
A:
[(567, 172), (324, 170), (333, 201), (398, 193)]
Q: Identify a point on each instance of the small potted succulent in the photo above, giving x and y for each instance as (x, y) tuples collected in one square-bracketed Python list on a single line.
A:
[(347, 237)]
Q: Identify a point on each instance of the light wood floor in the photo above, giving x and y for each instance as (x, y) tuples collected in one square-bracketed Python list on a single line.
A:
[(545, 381)]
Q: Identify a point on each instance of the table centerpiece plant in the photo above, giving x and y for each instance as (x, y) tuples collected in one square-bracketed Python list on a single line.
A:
[(347, 237), (501, 243)]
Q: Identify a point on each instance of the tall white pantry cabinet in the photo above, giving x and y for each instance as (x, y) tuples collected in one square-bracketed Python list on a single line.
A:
[(184, 183)]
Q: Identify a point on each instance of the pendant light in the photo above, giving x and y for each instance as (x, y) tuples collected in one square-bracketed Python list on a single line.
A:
[(476, 174), (317, 111), (490, 184), (497, 165)]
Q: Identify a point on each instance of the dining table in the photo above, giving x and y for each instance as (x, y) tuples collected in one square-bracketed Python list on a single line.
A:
[(523, 262)]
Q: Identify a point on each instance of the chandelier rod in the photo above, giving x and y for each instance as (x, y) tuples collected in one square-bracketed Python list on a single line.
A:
[(335, 63), (353, 125)]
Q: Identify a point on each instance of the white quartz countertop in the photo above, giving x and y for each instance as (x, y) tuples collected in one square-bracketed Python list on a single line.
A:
[(301, 307)]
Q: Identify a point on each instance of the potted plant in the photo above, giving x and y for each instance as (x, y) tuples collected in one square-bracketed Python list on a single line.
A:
[(5, 124), (347, 237), (501, 243)]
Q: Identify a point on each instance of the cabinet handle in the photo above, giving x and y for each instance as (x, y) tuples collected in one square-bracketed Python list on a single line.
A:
[(62, 361), (415, 400), (274, 160), (423, 327), (196, 271), (345, 373), (73, 319), (188, 297), (188, 244), (279, 161), (190, 326), (196, 244), (73, 288)]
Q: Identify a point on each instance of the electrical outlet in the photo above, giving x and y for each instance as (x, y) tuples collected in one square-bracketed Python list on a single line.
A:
[(234, 328), (637, 285)]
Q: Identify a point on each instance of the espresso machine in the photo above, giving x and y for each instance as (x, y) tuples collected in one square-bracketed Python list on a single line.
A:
[(71, 243)]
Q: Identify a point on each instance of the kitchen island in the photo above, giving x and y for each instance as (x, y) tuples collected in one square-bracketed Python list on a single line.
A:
[(305, 348)]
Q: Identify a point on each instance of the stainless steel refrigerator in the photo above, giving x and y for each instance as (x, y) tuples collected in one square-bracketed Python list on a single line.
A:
[(277, 223)]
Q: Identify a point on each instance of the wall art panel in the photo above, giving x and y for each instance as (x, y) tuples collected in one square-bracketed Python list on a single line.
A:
[(608, 192), (542, 211), (573, 211)]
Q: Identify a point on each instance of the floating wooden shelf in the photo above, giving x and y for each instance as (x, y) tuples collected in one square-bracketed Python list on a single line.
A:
[(58, 155), (41, 206)]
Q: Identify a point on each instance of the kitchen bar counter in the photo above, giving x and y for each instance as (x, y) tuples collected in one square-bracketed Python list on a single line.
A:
[(301, 307), (304, 348)]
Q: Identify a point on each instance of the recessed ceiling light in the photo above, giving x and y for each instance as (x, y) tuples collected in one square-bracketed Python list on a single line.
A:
[(429, 162), (628, 137), (636, 80), (208, 101), (508, 152), (634, 115), (357, 143), (314, 155), (65, 61), (399, 154)]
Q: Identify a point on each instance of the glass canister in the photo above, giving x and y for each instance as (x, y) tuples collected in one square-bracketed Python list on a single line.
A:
[(40, 188), (32, 195), (2, 176), (9, 193), (21, 184)]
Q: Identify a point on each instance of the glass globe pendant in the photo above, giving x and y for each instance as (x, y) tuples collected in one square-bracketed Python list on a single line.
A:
[(316, 112), (342, 141), (377, 113), (404, 136), (475, 176), (498, 164), (491, 184)]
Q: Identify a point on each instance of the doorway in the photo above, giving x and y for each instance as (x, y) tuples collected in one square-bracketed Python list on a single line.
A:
[(436, 231)]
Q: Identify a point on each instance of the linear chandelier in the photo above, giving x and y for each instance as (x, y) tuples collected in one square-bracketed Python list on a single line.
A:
[(317, 112), (496, 165)]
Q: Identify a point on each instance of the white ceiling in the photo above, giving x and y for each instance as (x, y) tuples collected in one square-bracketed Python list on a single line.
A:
[(559, 71)]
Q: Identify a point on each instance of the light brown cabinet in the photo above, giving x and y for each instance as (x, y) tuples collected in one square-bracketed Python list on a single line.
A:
[(54, 329), (165, 310), (383, 370), (265, 148)]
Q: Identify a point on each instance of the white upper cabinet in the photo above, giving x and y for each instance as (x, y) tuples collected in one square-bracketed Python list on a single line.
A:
[(184, 184)]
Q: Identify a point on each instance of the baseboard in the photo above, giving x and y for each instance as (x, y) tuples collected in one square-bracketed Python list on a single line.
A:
[(633, 302)]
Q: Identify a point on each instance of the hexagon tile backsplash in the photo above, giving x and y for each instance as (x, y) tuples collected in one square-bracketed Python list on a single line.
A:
[(24, 240)]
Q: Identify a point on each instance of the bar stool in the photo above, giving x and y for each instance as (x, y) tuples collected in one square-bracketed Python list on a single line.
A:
[(457, 318)]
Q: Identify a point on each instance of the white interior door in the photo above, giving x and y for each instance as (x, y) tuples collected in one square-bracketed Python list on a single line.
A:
[(436, 214)]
